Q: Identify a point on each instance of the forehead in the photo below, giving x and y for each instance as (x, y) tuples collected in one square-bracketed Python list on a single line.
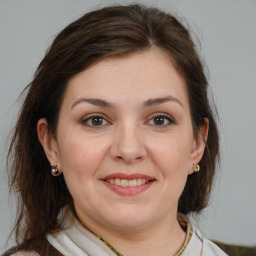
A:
[(139, 75)]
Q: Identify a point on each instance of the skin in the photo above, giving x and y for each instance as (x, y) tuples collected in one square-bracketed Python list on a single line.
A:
[(128, 138)]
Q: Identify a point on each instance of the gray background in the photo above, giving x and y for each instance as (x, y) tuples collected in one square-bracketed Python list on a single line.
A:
[(226, 29)]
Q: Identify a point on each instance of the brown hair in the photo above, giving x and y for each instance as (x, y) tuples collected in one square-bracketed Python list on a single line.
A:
[(111, 31)]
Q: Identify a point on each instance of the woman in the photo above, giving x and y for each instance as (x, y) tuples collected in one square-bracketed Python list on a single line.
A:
[(116, 141)]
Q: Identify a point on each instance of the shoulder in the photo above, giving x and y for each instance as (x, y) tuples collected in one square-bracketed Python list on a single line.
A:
[(36, 247), (13, 252), (208, 247), (197, 243)]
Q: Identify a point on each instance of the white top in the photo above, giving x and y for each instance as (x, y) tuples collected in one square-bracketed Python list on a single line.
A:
[(76, 240), (199, 245), (79, 241)]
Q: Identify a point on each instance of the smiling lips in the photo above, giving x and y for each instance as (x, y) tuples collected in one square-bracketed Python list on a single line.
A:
[(127, 183), (124, 184)]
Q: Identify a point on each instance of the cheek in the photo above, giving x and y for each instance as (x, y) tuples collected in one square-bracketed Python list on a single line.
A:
[(172, 155), (172, 160), (80, 161), (80, 157)]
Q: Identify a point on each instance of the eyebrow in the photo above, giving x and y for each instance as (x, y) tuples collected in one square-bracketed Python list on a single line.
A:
[(157, 101), (106, 104), (94, 101)]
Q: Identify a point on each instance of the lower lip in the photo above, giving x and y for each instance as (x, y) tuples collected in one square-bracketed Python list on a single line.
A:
[(128, 191)]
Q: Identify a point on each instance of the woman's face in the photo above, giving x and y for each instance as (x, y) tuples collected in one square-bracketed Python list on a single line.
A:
[(125, 141)]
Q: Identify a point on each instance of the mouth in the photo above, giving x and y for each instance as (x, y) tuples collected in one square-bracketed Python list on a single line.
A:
[(128, 185)]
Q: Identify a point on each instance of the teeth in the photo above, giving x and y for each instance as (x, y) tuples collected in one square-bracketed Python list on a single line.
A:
[(132, 183), (139, 182), (127, 183), (124, 183), (117, 182)]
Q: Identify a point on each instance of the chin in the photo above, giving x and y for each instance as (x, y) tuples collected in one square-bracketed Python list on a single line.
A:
[(129, 218)]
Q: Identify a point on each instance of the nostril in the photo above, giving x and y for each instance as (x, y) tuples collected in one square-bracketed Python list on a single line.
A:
[(129, 158), (128, 152)]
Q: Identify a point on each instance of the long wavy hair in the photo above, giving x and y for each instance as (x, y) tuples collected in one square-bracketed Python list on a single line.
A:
[(110, 31)]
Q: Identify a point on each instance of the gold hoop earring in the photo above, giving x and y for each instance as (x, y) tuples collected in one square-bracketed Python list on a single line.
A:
[(196, 167), (55, 171)]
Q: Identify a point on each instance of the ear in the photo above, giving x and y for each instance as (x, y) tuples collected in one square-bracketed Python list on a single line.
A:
[(48, 142), (199, 145)]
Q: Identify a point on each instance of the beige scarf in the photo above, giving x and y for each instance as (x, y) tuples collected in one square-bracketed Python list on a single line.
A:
[(76, 240)]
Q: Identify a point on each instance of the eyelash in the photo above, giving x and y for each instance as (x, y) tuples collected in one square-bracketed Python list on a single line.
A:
[(90, 119), (165, 118)]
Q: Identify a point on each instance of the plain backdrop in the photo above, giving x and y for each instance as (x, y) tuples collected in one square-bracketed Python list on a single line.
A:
[(227, 31)]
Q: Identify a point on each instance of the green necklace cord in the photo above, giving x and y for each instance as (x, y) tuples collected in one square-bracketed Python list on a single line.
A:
[(177, 254), (111, 247), (183, 223)]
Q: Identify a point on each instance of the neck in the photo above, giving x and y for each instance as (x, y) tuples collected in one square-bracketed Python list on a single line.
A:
[(164, 237)]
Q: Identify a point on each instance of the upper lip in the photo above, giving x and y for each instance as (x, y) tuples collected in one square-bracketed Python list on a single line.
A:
[(128, 176)]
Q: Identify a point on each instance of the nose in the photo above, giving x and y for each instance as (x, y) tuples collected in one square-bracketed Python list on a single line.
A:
[(128, 145)]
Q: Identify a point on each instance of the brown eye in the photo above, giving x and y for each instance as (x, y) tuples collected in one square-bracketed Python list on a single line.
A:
[(160, 120), (95, 121)]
